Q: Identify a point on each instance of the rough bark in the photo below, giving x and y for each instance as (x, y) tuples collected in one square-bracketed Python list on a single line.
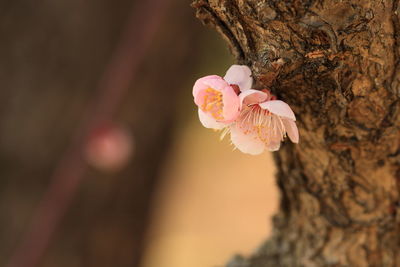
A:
[(337, 64)]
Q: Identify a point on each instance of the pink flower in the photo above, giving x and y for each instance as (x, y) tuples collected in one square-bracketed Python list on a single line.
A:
[(263, 123), (255, 119), (217, 98), (109, 147)]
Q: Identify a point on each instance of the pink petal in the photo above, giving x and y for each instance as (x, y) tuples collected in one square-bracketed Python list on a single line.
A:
[(210, 122), (291, 130), (205, 82), (200, 97), (231, 104), (252, 96), (239, 75), (276, 134), (247, 143), (279, 108)]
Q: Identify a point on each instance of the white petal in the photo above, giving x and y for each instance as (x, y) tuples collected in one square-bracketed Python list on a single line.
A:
[(210, 122), (276, 133), (279, 108), (247, 143), (291, 130), (274, 146), (252, 96), (239, 75)]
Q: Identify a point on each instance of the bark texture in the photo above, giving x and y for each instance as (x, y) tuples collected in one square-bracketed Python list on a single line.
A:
[(337, 64)]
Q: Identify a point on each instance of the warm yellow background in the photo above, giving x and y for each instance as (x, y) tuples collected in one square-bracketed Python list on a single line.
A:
[(213, 203)]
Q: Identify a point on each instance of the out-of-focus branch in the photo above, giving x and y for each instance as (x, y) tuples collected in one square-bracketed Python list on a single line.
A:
[(69, 173)]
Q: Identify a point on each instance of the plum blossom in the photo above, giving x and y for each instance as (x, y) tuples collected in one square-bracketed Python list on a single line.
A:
[(255, 119), (109, 147), (263, 123), (217, 98)]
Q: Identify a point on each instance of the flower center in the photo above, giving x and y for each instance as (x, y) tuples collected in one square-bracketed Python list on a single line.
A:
[(213, 103), (261, 123)]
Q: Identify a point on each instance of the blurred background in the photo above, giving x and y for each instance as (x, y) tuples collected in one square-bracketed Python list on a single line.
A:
[(103, 159)]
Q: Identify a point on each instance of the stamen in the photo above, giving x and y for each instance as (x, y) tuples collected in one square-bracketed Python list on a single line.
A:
[(262, 124), (213, 103), (224, 132)]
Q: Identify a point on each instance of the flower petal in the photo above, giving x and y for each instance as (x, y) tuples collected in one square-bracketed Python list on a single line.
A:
[(231, 104), (279, 108), (276, 133), (274, 146), (239, 75), (252, 96), (247, 143), (291, 130), (210, 122), (206, 82)]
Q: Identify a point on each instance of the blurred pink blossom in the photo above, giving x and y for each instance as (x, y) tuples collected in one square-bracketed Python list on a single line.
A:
[(109, 148)]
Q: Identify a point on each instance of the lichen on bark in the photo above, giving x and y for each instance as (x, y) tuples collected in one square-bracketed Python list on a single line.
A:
[(337, 64)]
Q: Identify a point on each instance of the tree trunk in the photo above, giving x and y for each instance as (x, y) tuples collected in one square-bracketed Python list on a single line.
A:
[(336, 63)]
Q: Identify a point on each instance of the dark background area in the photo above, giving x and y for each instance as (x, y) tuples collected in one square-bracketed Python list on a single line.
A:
[(53, 57)]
